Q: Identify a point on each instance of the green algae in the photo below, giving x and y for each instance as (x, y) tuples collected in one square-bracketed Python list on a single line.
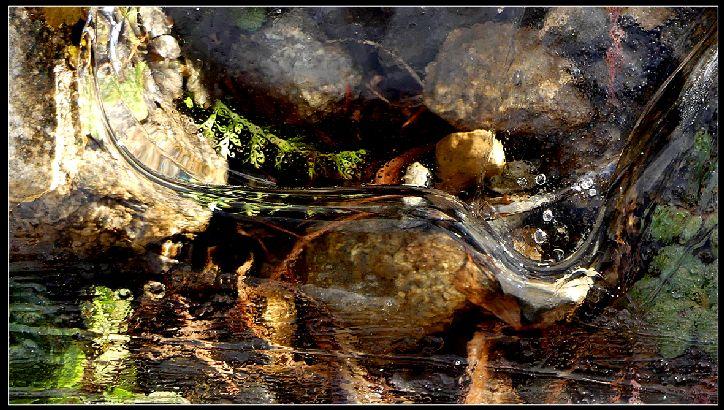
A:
[(234, 136), (128, 90)]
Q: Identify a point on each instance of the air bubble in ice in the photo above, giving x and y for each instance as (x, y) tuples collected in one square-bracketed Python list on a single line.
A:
[(586, 183), (540, 179), (559, 253), (592, 192), (547, 215), (539, 236)]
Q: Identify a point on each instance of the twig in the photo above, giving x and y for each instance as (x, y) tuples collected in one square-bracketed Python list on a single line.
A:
[(380, 47), (285, 267), (389, 173)]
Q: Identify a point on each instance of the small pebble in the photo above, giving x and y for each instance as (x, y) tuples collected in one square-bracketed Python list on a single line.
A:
[(586, 183)]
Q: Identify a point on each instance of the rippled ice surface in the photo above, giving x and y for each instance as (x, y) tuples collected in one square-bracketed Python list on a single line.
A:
[(75, 338)]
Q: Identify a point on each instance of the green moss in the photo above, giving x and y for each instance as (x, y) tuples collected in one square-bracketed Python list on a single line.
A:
[(703, 145), (669, 259), (72, 363), (106, 313), (644, 290), (699, 163), (691, 228), (674, 320), (707, 330), (714, 237), (120, 395), (236, 137), (129, 90), (248, 18), (117, 394), (678, 297), (668, 222)]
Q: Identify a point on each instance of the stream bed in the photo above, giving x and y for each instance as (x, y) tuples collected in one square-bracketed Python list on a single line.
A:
[(366, 205)]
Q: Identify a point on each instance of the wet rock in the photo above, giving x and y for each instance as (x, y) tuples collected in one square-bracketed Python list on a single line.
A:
[(165, 46), (524, 241), (589, 150), (155, 21), (32, 147), (679, 33), (415, 34), (168, 78), (292, 69), (516, 176), (153, 290), (496, 76), (577, 29), (464, 158), (72, 197), (417, 174), (649, 18), (623, 54), (354, 23), (157, 141), (195, 86), (395, 287)]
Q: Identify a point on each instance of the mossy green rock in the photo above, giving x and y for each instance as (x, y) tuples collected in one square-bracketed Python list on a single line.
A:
[(668, 222), (674, 320), (249, 18), (107, 312), (707, 330)]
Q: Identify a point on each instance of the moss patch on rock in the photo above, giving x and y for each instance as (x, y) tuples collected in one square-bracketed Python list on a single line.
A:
[(235, 136)]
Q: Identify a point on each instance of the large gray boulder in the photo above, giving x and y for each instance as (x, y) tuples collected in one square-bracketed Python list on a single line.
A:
[(290, 63)]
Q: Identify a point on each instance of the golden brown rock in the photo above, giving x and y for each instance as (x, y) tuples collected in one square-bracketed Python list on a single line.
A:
[(464, 158), (71, 195)]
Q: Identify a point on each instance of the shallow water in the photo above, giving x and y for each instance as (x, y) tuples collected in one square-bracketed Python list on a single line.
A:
[(277, 333), (56, 357)]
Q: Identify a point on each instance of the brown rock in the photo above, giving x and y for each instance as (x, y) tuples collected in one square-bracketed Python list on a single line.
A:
[(166, 46), (390, 285), (649, 17), (500, 77), (293, 69)]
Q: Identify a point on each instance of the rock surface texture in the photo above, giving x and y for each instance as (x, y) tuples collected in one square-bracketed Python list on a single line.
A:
[(286, 64), (464, 158), (395, 287), (71, 197), (498, 76)]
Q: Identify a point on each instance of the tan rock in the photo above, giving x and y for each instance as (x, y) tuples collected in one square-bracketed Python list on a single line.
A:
[(464, 158), (72, 196), (394, 287)]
